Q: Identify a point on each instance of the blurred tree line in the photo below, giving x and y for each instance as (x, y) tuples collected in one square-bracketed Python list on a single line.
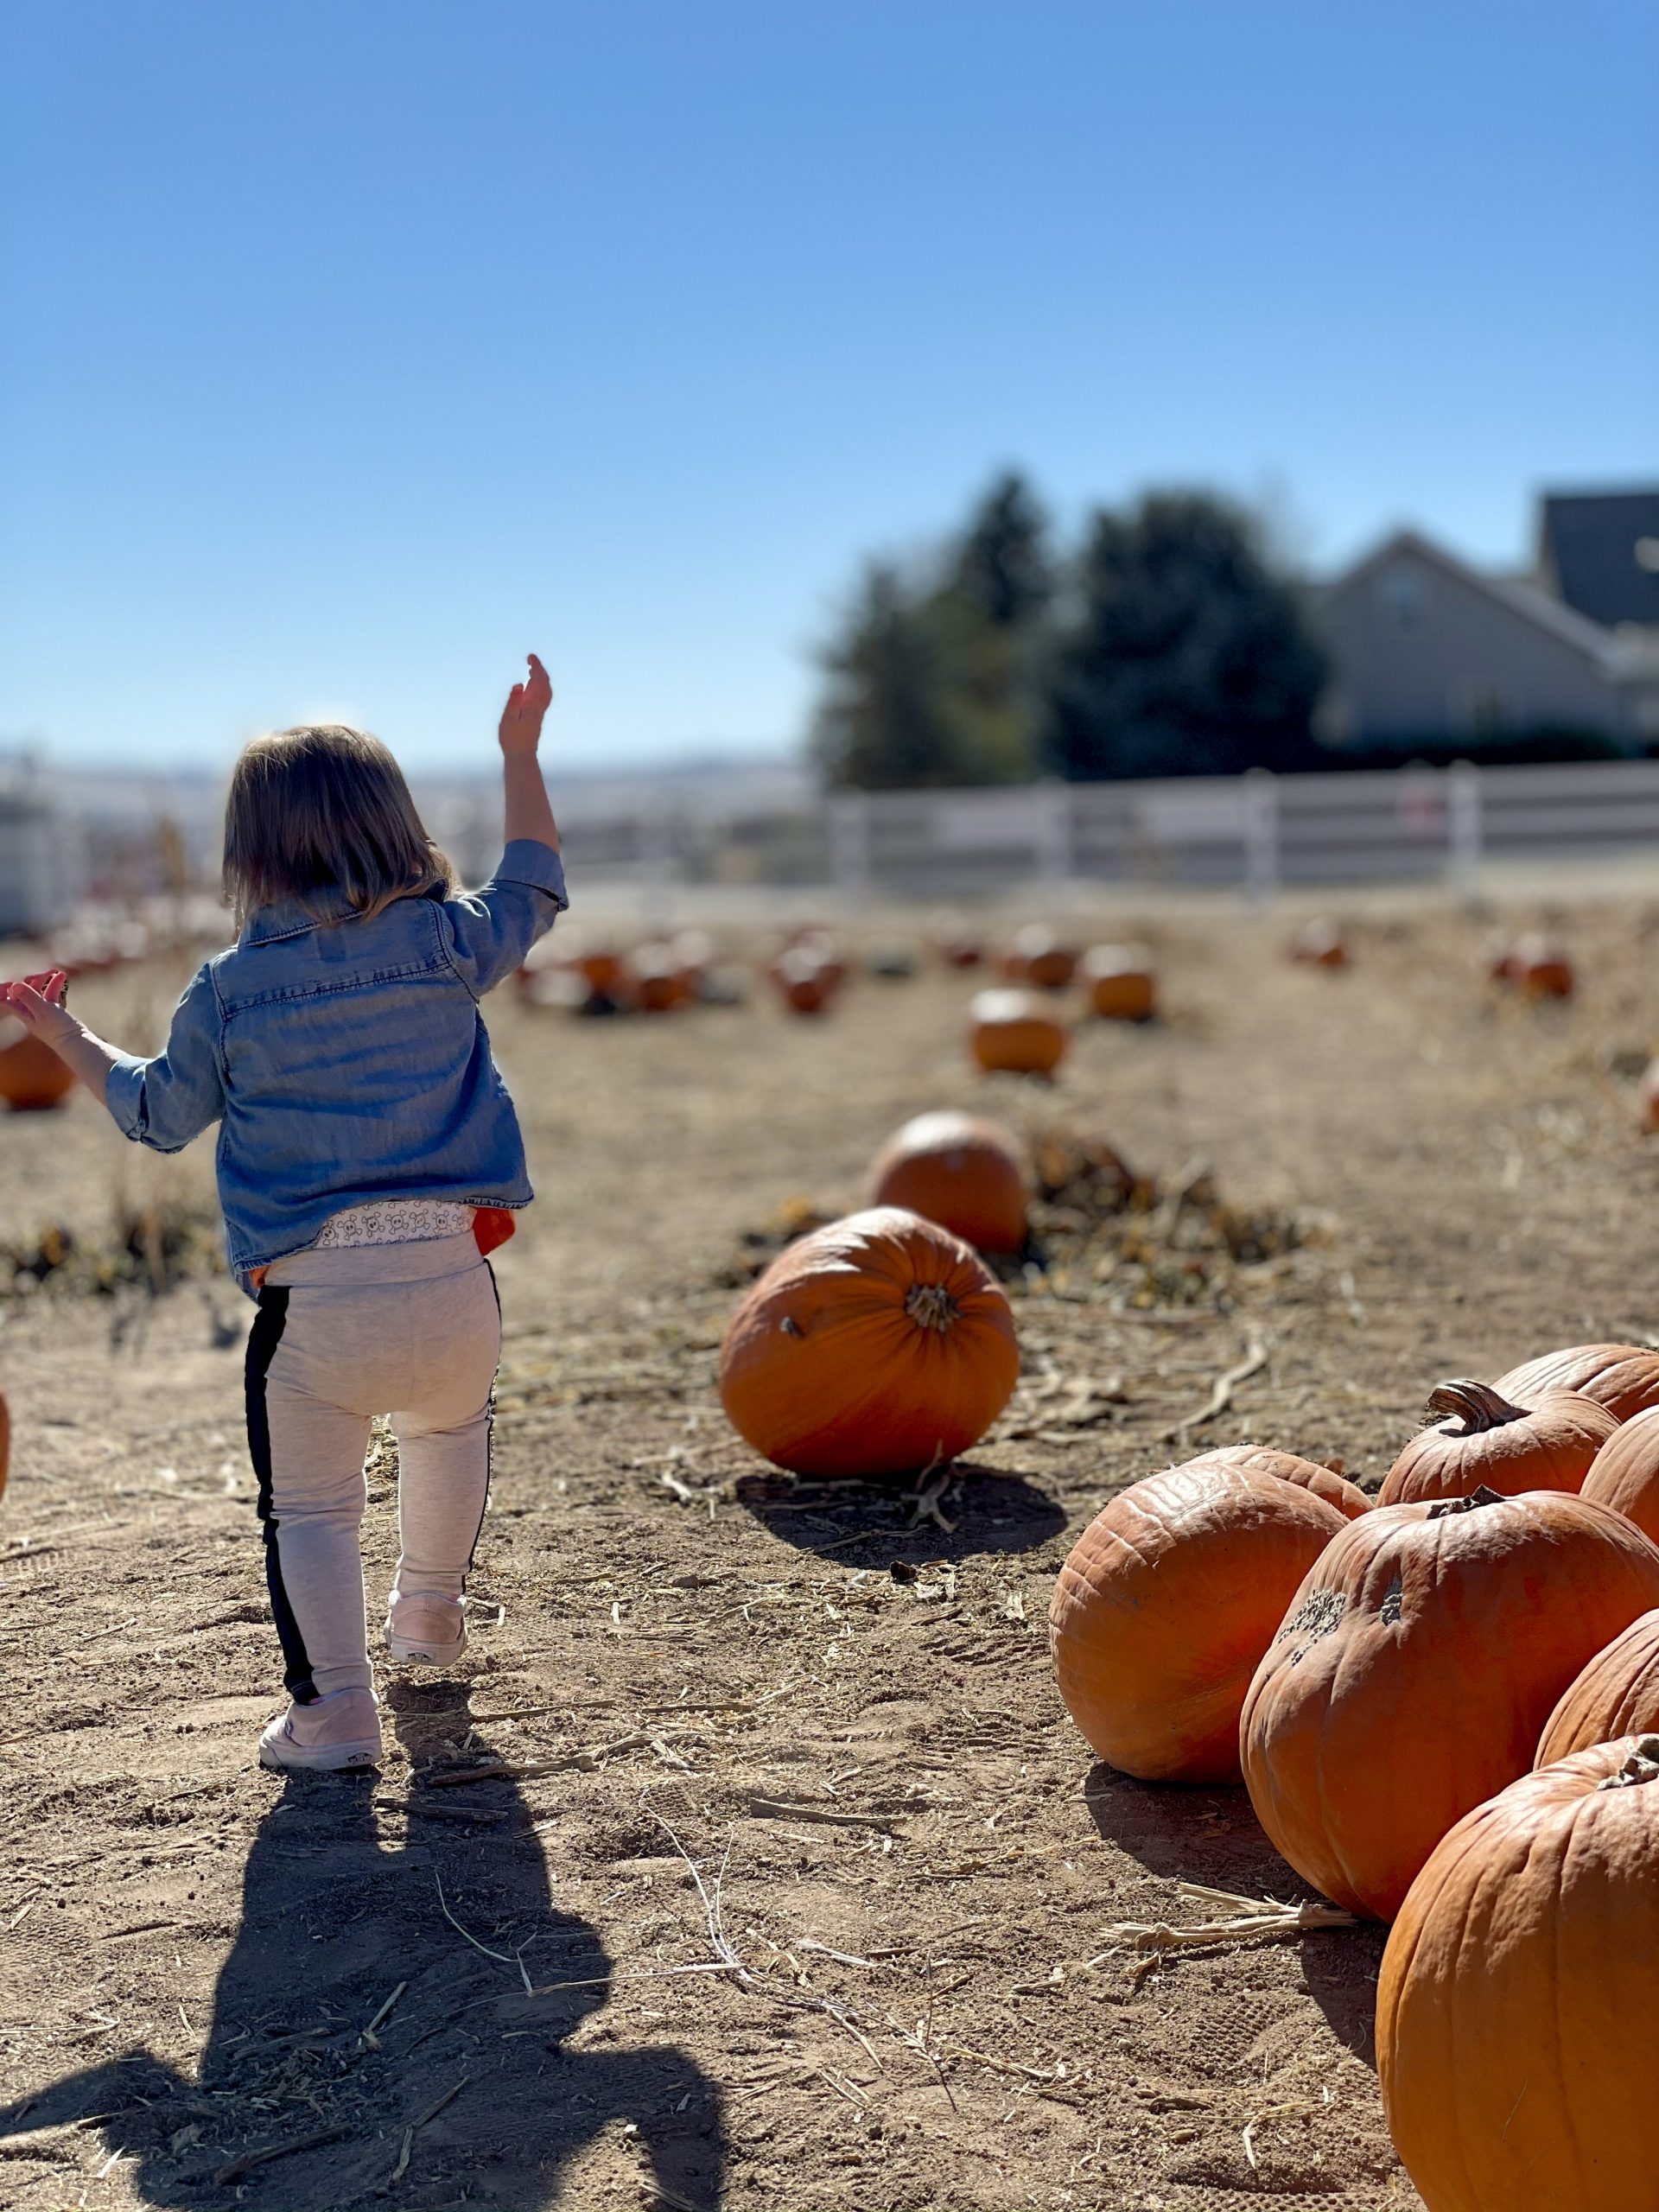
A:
[(1168, 643)]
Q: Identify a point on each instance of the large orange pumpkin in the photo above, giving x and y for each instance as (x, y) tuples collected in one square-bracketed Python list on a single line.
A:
[(960, 1171), (1415, 1668), (1039, 958), (1120, 982), (1165, 1603), (1617, 1694), (872, 1347), (32, 1077), (1515, 2006), (1010, 1033), (1624, 1473), (1482, 1438), (1623, 1377), (1325, 1482)]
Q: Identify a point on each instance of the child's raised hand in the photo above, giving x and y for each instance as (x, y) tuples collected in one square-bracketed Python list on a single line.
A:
[(527, 703), (37, 1002)]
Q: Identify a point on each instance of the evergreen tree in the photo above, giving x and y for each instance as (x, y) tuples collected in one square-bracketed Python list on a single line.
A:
[(1185, 655), (880, 724)]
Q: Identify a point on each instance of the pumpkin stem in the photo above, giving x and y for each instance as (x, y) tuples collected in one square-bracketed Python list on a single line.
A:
[(1475, 1499), (1478, 1406), (1643, 1765), (930, 1305)]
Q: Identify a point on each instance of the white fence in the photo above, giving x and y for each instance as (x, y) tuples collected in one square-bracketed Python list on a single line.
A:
[(1256, 832)]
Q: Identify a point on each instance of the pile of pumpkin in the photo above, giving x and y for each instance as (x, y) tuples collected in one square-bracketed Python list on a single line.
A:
[(882, 1343), (1012, 1031), (594, 974), (1446, 1710)]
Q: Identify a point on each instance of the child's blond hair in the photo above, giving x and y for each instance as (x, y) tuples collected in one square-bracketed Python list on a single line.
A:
[(324, 808)]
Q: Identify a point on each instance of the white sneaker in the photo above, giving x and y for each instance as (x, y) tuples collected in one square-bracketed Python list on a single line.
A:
[(340, 1729), (424, 1626)]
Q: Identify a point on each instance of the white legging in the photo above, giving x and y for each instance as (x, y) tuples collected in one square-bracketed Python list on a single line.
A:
[(412, 1330)]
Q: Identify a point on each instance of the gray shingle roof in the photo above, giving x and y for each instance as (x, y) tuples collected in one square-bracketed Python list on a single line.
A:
[(1600, 551)]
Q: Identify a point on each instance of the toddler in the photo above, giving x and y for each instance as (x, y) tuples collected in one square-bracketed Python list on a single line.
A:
[(369, 1157)]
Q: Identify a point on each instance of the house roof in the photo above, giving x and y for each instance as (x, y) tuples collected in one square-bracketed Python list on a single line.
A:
[(1520, 597), (1600, 551)]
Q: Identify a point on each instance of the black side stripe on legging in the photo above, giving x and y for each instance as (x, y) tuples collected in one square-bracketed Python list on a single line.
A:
[(262, 1339), (489, 1433)]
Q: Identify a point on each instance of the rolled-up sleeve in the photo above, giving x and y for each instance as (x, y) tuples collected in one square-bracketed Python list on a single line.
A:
[(487, 932), (166, 1102)]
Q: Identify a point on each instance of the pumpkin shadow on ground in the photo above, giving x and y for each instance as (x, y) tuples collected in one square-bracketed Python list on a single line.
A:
[(987, 1509), (1213, 1837), (467, 2089)]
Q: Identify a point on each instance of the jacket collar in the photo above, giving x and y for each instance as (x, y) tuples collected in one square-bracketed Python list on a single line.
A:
[(292, 917)]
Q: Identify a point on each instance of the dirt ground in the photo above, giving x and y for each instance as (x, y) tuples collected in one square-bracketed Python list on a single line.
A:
[(496, 1993)]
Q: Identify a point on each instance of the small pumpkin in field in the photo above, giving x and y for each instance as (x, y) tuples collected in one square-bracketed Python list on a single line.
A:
[(658, 980), (1623, 1377), (1624, 1473), (874, 1345), (1040, 957), (1541, 968), (1515, 2005), (825, 947), (806, 983), (1483, 1438), (1320, 944), (1327, 1482), (1415, 1669), (1617, 1694), (1165, 1605), (32, 1077), (960, 1171), (1010, 1033), (1121, 982), (956, 942)]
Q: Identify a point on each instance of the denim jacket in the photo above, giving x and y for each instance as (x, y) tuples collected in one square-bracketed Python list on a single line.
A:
[(345, 1060)]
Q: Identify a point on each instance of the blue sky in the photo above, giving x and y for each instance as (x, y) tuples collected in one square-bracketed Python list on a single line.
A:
[(355, 345)]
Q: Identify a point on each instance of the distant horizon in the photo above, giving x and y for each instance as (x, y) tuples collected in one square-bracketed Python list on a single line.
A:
[(359, 351)]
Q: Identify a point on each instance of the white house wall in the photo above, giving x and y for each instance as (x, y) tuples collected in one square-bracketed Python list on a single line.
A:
[(1420, 651)]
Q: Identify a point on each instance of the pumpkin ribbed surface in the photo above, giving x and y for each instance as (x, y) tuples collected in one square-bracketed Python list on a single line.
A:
[(1617, 1694), (1514, 2005), (1165, 1605), (961, 1172), (872, 1347), (1415, 1668), (1307, 1474), (1623, 1377), (1624, 1473), (1547, 1443)]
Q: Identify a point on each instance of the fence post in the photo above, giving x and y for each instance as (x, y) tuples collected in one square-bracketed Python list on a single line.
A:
[(657, 857), (1052, 800), (1464, 830), (1261, 797), (850, 840)]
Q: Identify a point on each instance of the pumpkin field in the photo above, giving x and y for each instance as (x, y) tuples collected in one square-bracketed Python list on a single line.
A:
[(768, 1847)]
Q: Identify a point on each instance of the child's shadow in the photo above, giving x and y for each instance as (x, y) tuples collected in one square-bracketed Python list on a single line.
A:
[(333, 1920)]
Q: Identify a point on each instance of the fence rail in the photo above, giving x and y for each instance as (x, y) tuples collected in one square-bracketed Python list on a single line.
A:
[(1256, 832)]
